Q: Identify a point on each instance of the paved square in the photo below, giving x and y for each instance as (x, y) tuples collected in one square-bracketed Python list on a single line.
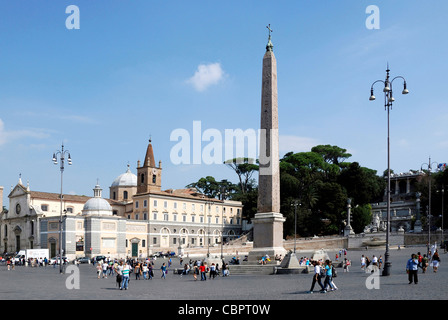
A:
[(45, 283)]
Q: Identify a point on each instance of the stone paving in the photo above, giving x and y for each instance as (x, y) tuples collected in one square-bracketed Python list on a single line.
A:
[(46, 283)]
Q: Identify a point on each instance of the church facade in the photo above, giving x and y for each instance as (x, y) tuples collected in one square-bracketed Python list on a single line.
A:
[(138, 218)]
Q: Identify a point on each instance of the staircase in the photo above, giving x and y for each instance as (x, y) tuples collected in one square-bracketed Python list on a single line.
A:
[(252, 269)]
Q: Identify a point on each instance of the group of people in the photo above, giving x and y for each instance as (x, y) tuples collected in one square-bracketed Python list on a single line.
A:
[(326, 271), (201, 269), (371, 265), (418, 261)]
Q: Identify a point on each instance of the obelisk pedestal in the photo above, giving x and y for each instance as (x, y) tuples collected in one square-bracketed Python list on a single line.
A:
[(268, 222)]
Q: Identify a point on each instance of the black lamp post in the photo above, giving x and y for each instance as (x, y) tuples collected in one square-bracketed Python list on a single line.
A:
[(61, 155), (388, 100)]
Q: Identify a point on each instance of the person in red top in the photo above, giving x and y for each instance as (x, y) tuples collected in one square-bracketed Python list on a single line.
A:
[(203, 271)]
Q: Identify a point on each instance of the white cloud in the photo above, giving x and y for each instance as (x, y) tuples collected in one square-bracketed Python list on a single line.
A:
[(206, 75), (296, 144), (9, 136)]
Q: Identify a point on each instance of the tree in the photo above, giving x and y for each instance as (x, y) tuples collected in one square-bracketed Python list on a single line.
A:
[(244, 168)]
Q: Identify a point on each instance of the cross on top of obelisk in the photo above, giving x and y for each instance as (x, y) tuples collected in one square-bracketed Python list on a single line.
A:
[(269, 46), (269, 28)]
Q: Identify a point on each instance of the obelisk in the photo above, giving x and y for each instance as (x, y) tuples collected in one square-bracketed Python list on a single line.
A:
[(268, 221)]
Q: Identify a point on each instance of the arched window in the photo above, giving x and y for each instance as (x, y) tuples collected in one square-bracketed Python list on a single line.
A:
[(142, 178)]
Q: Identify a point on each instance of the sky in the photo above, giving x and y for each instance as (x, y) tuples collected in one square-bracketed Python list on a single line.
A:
[(105, 78)]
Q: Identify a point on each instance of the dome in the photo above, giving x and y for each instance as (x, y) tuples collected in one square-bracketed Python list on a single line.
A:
[(127, 179), (97, 205)]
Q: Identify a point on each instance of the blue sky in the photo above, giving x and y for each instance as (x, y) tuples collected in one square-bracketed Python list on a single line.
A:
[(128, 73)]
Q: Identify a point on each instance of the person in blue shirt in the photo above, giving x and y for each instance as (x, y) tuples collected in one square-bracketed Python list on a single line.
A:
[(412, 268)]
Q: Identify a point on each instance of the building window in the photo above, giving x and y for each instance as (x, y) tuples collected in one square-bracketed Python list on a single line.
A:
[(192, 207), (145, 216), (174, 217), (201, 219), (32, 227), (114, 196), (184, 219), (154, 177), (114, 212), (165, 216), (44, 207), (154, 215), (136, 204), (143, 243), (142, 178), (154, 240), (174, 240), (165, 204), (136, 216), (184, 206), (192, 218), (175, 205), (125, 195), (155, 203), (216, 220), (145, 203)]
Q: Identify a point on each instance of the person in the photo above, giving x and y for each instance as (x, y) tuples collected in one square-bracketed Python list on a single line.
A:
[(380, 262), (412, 268), (98, 270), (435, 260), (424, 263), (316, 277), (125, 277), (163, 270), (137, 270), (203, 271), (363, 262), (150, 271), (212, 271), (328, 276), (104, 266), (346, 265), (145, 271), (195, 272)]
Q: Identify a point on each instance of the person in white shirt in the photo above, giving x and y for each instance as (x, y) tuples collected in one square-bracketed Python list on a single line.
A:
[(316, 277)]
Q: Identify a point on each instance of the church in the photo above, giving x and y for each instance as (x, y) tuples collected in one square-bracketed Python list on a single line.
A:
[(138, 218)]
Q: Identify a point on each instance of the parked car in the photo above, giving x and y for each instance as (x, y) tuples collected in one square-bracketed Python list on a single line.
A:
[(98, 258), (83, 260)]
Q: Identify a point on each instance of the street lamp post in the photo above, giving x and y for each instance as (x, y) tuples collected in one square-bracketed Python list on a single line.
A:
[(388, 101), (294, 204), (62, 153), (429, 166)]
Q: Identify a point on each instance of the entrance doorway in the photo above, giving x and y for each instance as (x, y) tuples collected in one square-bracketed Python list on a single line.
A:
[(134, 249)]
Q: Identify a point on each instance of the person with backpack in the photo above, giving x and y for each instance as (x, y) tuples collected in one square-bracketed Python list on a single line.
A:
[(328, 276), (316, 277)]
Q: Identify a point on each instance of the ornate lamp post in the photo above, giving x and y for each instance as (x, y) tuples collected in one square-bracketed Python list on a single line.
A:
[(388, 100), (62, 153)]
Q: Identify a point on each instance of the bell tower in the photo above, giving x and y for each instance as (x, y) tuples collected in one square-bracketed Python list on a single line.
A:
[(149, 177)]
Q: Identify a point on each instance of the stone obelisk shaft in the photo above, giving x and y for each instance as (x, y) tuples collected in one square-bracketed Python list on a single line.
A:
[(268, 222), (269, 177)]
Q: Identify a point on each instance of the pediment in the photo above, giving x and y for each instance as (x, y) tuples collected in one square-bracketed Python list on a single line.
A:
[(18, 191)]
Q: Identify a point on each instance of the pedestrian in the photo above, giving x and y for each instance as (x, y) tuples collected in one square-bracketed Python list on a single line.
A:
[(163, 270), (212, 271), (435, 260), (346, 265), (125, 277), (145, 271), (328, 276), (99, 270), (137, 271), (424, 263), (316, 277), (363, 262), (105, 266), (195, 272), (203, 271), (412, 268)]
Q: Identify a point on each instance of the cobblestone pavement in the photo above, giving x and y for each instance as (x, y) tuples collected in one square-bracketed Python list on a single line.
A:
[(46, 283)]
